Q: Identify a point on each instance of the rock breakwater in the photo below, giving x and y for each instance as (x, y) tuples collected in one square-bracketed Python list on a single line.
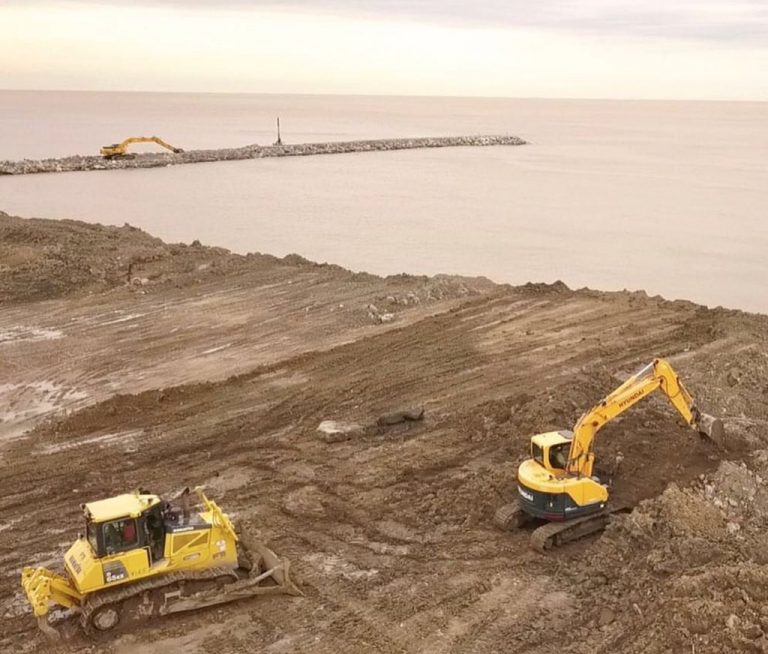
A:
[(155, 160)]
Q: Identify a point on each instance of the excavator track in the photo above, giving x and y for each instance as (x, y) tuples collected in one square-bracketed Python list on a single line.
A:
[(554, 534), (510, 517)]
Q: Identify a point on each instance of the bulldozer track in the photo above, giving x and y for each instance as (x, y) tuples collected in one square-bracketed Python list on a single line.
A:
[(117, 596)]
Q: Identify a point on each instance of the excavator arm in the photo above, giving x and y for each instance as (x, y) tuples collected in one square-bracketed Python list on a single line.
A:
[(656, 375), (121, 149)]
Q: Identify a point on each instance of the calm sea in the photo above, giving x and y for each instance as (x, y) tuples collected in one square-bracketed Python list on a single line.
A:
[(669, 197)]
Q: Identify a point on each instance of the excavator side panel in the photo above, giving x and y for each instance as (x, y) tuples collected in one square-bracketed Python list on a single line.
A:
[(560, 499)]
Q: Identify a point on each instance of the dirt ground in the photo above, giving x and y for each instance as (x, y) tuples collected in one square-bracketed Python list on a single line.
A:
[(128, 362)]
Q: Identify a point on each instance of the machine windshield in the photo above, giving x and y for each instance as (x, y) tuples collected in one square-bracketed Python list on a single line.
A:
[(120, 535), (537, 453), (558, 455)]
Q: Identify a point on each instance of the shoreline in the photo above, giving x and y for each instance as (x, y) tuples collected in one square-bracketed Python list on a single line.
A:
[(70, 226)]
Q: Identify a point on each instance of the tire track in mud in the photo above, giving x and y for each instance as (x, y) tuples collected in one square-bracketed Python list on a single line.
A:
[(207, 333)]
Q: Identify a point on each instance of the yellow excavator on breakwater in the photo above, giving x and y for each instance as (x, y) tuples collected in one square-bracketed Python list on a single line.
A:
[(121, 149)]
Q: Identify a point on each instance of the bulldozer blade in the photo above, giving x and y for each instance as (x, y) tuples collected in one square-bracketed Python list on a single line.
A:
[(279, 569), (275, 579), (713, 429)]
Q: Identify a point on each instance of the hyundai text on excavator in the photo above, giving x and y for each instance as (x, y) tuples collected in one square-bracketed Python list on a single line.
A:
[(120, 150), (556, 486), (142, 557)]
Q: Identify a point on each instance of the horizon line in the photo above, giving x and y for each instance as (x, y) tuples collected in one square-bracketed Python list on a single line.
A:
[(388, 95)]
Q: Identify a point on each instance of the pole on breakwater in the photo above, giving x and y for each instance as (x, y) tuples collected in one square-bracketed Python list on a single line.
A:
[(279, 140)]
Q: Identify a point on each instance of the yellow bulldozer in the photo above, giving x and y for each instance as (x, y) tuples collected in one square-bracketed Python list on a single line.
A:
[(558, 490), (142, 557), (120, 150)]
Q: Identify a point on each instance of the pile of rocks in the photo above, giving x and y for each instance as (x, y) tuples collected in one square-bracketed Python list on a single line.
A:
[(160, 159), (685, 571)]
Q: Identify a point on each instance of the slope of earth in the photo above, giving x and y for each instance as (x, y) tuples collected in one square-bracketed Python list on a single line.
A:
[(113, 310), (390, 531), (686, 571)]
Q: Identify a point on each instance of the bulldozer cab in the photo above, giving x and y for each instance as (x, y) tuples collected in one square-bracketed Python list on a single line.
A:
[(125, 523)]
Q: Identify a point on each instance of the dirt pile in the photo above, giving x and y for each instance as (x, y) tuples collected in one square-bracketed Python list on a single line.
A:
[(686, 571), (43, 259)]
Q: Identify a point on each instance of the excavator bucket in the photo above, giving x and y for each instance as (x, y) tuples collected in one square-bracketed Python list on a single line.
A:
[(713, 429)]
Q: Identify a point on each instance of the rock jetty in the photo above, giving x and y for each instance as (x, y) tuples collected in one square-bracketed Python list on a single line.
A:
[(155, 160)]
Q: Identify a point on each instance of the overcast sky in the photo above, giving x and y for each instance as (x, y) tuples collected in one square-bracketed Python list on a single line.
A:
[(703, 49)]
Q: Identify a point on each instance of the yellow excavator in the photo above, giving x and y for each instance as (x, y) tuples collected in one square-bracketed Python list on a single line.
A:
[(142, 557), (121, 149), (556, 486)]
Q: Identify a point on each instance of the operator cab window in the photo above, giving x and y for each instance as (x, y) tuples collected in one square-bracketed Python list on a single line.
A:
[(120, 535), (92, 531), (558, 455), (537, 453)]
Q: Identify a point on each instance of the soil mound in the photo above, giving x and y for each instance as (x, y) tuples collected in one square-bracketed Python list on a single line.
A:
[(44, 259), (686, 571)]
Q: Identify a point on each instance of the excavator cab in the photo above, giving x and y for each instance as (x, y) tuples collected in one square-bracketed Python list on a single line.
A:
[(550, 450)]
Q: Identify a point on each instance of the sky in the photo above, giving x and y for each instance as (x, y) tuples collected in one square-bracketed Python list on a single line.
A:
[(654, 49)]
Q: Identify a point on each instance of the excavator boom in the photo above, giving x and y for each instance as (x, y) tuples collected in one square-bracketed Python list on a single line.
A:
[(657, 375), (121, 149)]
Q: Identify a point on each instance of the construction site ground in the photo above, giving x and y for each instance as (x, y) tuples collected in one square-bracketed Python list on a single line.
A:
[(127, 362)]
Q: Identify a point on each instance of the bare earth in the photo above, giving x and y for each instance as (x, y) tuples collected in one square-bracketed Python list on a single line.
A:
[(202, 367)]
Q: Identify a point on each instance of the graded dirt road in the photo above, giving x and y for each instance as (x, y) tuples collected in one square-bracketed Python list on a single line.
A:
[(201, 367)]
